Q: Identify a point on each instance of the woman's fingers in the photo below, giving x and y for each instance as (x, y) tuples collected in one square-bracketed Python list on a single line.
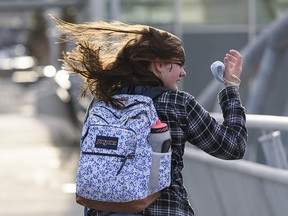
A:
[(233, 67), (234, 62)]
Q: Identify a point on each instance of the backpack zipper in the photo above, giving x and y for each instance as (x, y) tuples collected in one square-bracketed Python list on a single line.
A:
[(125, 158), (129, 156), (100, 118)]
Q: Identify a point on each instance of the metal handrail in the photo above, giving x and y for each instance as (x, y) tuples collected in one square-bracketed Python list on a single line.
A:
[(269, 122), (240, 166)]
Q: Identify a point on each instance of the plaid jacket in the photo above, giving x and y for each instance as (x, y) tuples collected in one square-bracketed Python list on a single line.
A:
[(190, 122)]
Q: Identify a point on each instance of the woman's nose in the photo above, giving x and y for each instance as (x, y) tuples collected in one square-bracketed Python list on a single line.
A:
[(183, 73)]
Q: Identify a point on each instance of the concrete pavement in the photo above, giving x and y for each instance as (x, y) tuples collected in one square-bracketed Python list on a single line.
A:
[(37, 170)]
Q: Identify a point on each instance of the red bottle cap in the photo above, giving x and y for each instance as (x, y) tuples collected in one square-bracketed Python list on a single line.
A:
[(159, 127)]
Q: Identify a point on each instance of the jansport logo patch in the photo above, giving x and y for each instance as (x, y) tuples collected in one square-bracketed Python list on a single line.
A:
[(106, 142)]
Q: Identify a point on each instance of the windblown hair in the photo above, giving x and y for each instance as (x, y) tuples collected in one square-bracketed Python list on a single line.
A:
[(112, 55)]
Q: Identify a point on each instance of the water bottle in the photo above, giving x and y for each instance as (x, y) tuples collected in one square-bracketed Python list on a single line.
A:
[(160, 138)]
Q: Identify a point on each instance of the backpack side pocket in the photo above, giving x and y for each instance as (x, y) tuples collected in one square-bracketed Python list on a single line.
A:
[(160, 176)]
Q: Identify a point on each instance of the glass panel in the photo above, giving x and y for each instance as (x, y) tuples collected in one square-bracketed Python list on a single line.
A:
[(268, 10), (199, 12), (214, 12), (147, 11), (193, 11)]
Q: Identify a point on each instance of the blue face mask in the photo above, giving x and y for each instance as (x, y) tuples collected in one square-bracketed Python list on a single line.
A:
[(218, 71)]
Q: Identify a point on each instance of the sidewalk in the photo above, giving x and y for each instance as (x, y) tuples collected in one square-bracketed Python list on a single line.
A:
[(37, 176)]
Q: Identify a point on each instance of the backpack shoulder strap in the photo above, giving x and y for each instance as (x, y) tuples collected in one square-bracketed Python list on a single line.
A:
[(88, 108), (149, 91)]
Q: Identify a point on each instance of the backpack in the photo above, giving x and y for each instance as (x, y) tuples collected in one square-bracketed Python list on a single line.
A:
[(117, 164)]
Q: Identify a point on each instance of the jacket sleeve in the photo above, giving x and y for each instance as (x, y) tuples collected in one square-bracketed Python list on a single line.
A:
[(226, 140)]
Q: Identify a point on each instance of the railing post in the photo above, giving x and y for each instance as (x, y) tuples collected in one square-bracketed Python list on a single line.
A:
[(273, 150)]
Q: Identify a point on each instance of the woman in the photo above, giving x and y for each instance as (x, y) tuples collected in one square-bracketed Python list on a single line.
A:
[(113, 55)]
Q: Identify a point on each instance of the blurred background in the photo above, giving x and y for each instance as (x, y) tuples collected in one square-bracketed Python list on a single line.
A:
[(41, 114)]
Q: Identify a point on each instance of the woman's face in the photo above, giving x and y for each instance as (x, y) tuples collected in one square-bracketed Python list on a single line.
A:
[(171, 74)]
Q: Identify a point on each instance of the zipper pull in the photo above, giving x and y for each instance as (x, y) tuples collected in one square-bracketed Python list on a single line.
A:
[(129, 156)]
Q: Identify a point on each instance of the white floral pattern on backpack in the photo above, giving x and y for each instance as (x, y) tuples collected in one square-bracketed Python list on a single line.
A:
[(116, 156)]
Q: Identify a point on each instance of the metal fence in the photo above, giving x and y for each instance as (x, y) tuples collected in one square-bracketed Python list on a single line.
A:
[(224, 188)]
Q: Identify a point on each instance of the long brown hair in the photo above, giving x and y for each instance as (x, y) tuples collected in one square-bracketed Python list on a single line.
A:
[(112, 55)]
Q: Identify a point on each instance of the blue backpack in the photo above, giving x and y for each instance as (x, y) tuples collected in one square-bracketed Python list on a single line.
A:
[(116, 162)]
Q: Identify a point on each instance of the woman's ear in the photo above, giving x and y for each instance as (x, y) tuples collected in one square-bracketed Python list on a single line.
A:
[(157, 66)]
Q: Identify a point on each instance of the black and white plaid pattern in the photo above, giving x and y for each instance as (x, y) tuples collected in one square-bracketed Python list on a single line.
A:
[(190, 122)]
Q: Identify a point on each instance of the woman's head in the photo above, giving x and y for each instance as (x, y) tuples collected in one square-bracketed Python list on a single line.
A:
[(111, 55)]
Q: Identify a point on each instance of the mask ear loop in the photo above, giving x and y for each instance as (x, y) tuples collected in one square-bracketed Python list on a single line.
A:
[(217, 69), (234, 83)]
